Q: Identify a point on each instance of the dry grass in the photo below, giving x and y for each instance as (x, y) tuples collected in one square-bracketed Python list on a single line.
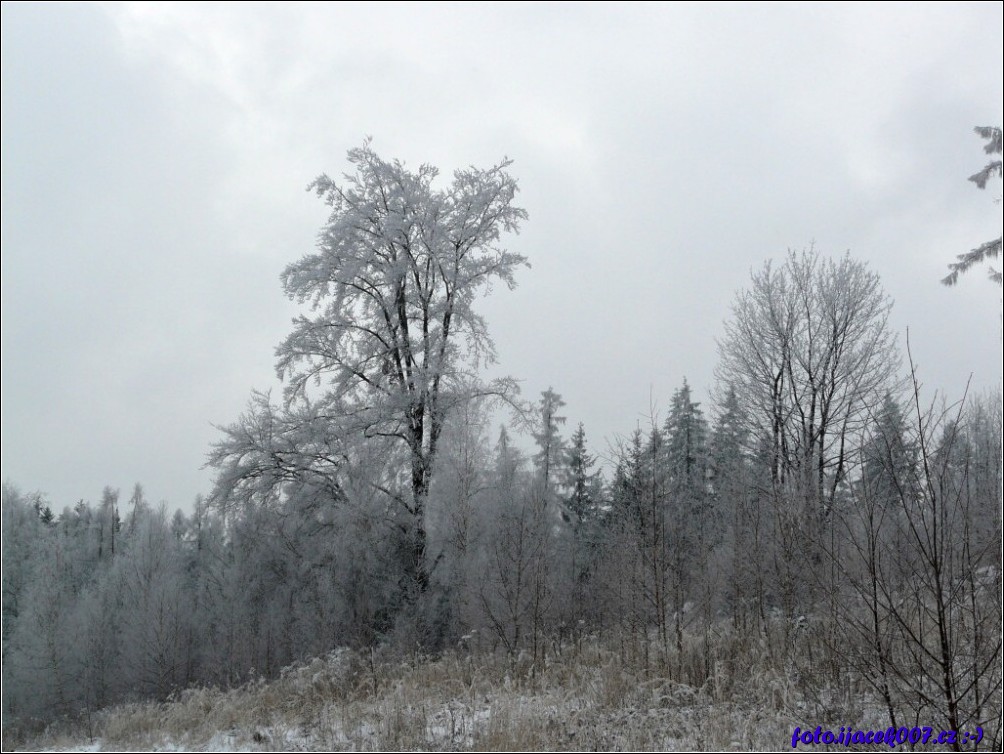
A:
[(594, 694)]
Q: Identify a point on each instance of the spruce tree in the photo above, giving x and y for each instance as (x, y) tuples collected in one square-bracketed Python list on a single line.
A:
[(582, 486)]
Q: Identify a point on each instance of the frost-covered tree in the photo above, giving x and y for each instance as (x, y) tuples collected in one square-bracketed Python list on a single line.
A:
[(155, 626), (23, 530), (810, 355), (625, 491), (550, 445), (392, 343), (636, 558), (583, 487), (887, 455), (990, 249), (690, 530), (464, 512), (107, 523), (27, 536), (920, 615), (516, 591), (740, 519), (579, 539), (686, 435)]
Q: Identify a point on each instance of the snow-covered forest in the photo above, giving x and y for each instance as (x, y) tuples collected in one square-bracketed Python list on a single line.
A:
[(822, 521)]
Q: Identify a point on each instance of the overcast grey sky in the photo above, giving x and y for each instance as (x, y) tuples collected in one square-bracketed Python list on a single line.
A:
[(155, 159)]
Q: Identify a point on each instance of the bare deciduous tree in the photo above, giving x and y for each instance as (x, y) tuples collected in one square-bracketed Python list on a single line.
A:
[(924, 625), (810, 356)]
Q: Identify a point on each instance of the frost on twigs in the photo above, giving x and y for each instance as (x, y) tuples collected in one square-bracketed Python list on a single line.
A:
[(391, 342)]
